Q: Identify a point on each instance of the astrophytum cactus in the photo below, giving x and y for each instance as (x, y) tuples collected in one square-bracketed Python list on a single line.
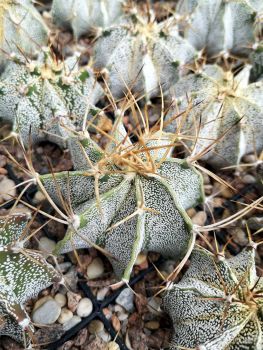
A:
[(40, 96), (22, 30), (221, 26), (142, 55), (23, 274), (225, 114), (218, 304), (128, 198), (82, 16)]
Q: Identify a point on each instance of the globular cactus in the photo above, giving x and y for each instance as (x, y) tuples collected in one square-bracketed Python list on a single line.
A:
[(128, 198), (225, 114), (39, 96), (143, 55), (22, 29), (82, 16), (221, 27), (23, 274), (218, 304)]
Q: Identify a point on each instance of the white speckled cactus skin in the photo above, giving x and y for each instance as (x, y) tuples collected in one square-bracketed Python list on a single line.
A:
[(21, 26), (142, 55), (221, 27), (218, 304), (228, 108), (38, 96), (83, 15), (141, 206), (23, 274)]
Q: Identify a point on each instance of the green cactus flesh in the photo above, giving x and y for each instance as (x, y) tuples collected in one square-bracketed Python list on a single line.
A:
[(129, 198), (229, 109), (83, 15), (22, 29), (221, 27), (143, 55), (23, 274), (40, 96), (218, 304)]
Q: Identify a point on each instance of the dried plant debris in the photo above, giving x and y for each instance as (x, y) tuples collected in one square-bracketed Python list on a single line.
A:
[(221, 27), (218, 304), (84, 16), (22, 29), (133, 199), (24, 273), (142, 55), (38, 97), (223, 111)]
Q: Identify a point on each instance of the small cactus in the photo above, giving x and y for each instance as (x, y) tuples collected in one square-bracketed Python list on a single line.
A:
[(142, 55), (22, 29), (218, 304), (83, 16), (37, 96), (23, 274), (221, 27), (229, 111), (127, 199)]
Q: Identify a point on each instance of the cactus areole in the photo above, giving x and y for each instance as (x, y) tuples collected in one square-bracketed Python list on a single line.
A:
[(128, 198), (218, 304)]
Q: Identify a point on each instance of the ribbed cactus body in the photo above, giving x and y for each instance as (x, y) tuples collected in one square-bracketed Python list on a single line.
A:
[(22, 30), (139, 203), (142, 55), (221, 27), (24, 273), (83, 15), (218, 304), (41, 96), (224, 107)]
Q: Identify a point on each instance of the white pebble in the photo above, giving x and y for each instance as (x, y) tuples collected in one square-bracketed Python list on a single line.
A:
[(46, 245), (112, 345), (95, 327), (71, 323), (46, 312), (65, 315), (104, 336), (84, 308), (95, 268), (7, 190), (60, 299)]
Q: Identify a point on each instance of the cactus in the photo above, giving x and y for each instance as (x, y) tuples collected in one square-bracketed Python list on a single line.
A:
[(23, 274), (22, 30), (229, 110), (218, 304), (221, 27), (37, 96), (127, 199), (143, 55), (83, 15)]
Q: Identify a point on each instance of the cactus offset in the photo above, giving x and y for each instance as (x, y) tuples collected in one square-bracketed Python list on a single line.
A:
[(24, 273), (22, 30), (127, 199), (218, 304), (38, 96), (143, 55), (231, 112), (222, 27), (82, 16)]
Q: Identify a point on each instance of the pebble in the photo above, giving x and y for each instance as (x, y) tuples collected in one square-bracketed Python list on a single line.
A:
[(141, 258), (126, 299), (255, 223), (95, 269), (60, 299), (85, 307), (154, 305), (112, 345), (199, 218), (46, 311), (249, 179), (71, 323), (105, 336), (153, 325), (239, 236), (65, 315), (95, 327), (65, 266), (39, 197), (102, 293), (73, 300), (46, 245), (7, 190)]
